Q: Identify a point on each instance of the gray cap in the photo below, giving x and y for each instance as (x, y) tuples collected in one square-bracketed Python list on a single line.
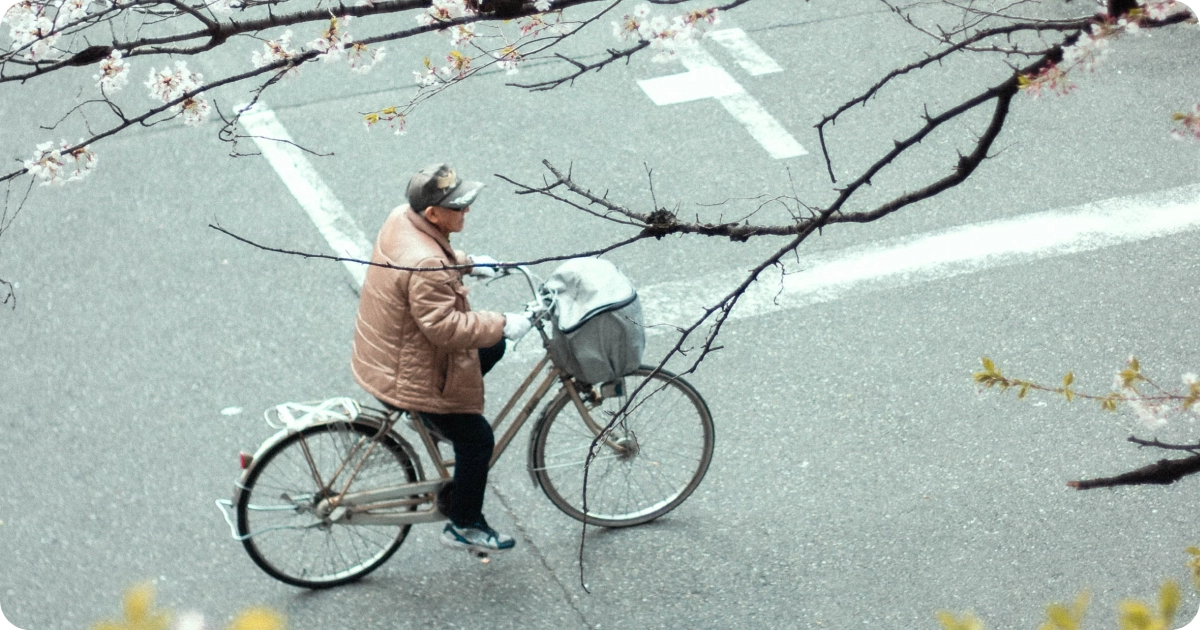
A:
[(438, 185)]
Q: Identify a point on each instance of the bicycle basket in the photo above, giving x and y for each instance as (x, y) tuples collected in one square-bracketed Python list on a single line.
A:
[(597, 321)]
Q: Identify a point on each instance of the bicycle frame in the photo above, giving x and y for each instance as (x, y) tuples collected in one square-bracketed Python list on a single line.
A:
[(377, 506)]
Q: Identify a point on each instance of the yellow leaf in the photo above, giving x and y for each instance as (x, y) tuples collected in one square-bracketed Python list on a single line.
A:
[(1024, 390), (1195, 551), (1080, 606), (1068, 379), (967, 622), (138, 601), (1069, 394), (258, 619), (137, 612), (1061, 618), (1168, 601), (988, 365), (1134, 365), (1135, 615)]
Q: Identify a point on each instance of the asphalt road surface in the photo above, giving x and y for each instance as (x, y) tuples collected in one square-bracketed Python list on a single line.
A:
[(859, 478)]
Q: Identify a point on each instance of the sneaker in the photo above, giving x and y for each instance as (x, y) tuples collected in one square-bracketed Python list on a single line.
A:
[(479, 536)]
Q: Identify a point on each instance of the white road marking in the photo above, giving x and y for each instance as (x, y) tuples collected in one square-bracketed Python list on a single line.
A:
[(933, 256), (745, 52), (706, 79), (827, 276), (344, 236), (703, 82)]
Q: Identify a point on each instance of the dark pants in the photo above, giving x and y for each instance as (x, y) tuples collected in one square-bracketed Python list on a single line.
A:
[(473, 441)]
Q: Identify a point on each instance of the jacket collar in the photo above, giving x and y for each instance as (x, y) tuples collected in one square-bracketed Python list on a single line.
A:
[(424, 226)]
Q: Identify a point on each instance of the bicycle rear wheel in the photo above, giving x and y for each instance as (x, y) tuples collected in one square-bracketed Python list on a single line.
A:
[(277, 507), (652, 461)]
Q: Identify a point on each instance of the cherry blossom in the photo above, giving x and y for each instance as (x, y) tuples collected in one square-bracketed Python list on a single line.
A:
[(21, 11), (333, 40), (507, 59), (1051, 78), (34, 31), (390, 115), (362, 58), (194, 110), (537, 23), (75, 9), (275, 50), (460, 64), (444, 11), (114, 73), (462, 34), (169, 85), (1188, 124), (60, 165), (631, 25), (1089, 50), (664, 35), (1159, 10)]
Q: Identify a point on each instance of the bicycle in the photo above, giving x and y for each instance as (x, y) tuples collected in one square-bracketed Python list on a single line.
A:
[(332, 495)]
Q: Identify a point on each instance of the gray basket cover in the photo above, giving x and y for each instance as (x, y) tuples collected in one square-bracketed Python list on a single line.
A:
[(597, 333)]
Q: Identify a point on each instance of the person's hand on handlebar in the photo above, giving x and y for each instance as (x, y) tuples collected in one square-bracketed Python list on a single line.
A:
[(516, 325), (483, 266)]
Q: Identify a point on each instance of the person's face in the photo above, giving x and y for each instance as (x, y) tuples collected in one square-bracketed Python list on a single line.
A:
[(447, 220)]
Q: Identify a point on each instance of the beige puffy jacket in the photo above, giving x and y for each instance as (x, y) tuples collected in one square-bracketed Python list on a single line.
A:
[(416, 340)]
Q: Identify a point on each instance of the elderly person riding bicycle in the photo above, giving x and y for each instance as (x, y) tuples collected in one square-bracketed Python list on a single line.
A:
[(418, 345)]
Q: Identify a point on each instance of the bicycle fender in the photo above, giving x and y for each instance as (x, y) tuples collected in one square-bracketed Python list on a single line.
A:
[(533, 438)]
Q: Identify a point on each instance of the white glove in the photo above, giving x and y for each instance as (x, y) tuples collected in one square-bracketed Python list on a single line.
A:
[(516, 325), (485, 271)]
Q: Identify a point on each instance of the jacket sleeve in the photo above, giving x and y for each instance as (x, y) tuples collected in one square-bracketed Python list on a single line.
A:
[(433, 301)]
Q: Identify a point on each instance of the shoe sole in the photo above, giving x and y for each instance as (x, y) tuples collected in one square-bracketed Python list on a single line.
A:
[(454, 544)]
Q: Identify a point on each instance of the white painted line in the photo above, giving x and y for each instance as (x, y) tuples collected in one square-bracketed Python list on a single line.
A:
[(746, 53), (933, 256), (327, 213), (706, 79), (826, 276), (703, 82), (746, 109), (901, 262), (762, 126)]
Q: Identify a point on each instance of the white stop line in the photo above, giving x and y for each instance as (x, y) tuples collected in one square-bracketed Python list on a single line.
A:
[(706, 78), (822, 277)]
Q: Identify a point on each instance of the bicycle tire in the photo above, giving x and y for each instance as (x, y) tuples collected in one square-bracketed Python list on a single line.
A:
[(276, 503), (636, 484)]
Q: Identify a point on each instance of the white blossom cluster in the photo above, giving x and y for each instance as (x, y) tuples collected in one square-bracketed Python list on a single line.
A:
[(1090, 49), (168, 85), (334, 44), (60, 165), (1158, 10), (333, 40), (35, 26), (114, 73), (665, 35), (362, 57), (444, 11), (276, 50)]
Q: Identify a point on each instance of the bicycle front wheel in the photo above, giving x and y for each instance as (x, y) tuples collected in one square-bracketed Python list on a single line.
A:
[(279, 511), (653, 459)]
